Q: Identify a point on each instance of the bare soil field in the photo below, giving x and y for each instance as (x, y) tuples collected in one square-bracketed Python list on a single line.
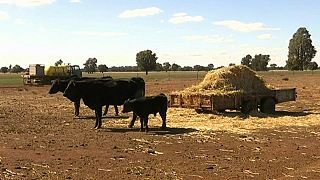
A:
[(41, 139)]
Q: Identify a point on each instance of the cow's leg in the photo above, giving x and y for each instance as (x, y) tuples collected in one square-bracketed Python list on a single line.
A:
[(116, 109), (106, 110), (134, 117), (142, 123), (98, 112), (76, 107), (164, 119), (145, 120)]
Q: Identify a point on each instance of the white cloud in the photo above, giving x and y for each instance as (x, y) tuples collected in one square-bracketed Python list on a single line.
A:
[(102, 34), (75, 1), (20, 21), (244, 27), (209, 39), (265, 36), (140, 12), (3, 16), (27, 3), (180, 18)]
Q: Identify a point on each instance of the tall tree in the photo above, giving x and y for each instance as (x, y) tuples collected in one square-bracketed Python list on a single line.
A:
[(246, 60), (166, 66), (16, 69), (260, 62), (301, 50), (159, 67), (91, 65), (146, 60), (210, 67), (175, 67), (4, 69), (59, 62)]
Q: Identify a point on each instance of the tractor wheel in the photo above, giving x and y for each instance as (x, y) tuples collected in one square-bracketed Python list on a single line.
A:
[(247, 107), (268, 106)]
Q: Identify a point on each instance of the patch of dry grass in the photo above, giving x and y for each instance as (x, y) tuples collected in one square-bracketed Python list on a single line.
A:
[(188, 118)]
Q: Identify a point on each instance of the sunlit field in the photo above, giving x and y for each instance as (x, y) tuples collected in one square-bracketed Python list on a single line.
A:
[(13, 79)]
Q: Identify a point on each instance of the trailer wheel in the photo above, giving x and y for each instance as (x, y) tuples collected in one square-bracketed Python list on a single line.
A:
[(247, 107), (268, 106)]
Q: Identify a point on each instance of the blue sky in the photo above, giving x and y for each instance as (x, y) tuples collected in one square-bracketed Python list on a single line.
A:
[(186, 32)]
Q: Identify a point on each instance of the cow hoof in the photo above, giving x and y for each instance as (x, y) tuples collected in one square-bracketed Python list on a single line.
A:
[(163, 127)]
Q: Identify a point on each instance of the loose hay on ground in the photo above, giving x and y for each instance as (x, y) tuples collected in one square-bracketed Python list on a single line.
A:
[(188, 118)]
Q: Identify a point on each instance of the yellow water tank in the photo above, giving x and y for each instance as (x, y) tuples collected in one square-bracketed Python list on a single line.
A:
[(62, 70)]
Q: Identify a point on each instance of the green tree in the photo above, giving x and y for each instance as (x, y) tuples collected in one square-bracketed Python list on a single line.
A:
[(247, 60), (91, 65), (260, 62), (210, 67), (273, 66), (59, 62), (102, 68), (175, 67), (4, 69), (16, 69), (313, 65), (159, 67), (166, 66), (301, 50), (146, 60)]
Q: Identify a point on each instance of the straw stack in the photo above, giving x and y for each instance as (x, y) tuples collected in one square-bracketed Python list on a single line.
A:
[(228, 81)]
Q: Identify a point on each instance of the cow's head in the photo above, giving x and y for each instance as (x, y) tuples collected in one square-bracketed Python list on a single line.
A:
[(127, 106), (71, 92), (58, 85)]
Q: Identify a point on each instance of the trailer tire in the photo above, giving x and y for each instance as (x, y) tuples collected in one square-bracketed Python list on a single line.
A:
[(268, 106), (247, 107)]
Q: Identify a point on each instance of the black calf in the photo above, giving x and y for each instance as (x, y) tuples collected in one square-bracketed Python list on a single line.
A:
[(144, 106)]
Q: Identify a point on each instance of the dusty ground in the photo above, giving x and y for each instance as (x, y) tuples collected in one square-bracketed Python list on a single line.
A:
[(40, 139)]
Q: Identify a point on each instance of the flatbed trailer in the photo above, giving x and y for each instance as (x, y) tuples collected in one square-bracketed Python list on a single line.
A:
[(245, 102)]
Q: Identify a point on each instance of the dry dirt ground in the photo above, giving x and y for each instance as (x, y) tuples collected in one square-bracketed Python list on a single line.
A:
[(41, 139)]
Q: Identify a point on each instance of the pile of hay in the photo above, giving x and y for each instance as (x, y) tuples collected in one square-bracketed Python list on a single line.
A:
[(228, 80)]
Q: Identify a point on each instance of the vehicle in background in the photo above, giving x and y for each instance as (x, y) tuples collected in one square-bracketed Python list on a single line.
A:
[(40, 74)]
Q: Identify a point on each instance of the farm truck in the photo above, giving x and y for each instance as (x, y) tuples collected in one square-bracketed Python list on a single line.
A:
[(40, 74)]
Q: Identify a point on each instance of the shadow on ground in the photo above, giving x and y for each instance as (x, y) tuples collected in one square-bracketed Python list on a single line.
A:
[(277, 114), (103, 117), (154, 130)]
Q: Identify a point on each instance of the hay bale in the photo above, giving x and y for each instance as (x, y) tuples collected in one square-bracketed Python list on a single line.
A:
[(227, 81)]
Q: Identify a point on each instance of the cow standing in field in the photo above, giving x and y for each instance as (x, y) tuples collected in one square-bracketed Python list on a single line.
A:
[(144, 106), (96, 94), (60, 86)]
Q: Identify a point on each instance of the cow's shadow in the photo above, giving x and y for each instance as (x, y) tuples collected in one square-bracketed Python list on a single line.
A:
[(103, 117), (154, 130)]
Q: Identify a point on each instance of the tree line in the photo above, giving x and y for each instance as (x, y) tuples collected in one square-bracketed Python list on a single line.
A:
[(300, 55)]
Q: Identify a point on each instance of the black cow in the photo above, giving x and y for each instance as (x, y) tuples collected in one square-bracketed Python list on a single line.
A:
[(60, 86), (144, 106), (96, 94)]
